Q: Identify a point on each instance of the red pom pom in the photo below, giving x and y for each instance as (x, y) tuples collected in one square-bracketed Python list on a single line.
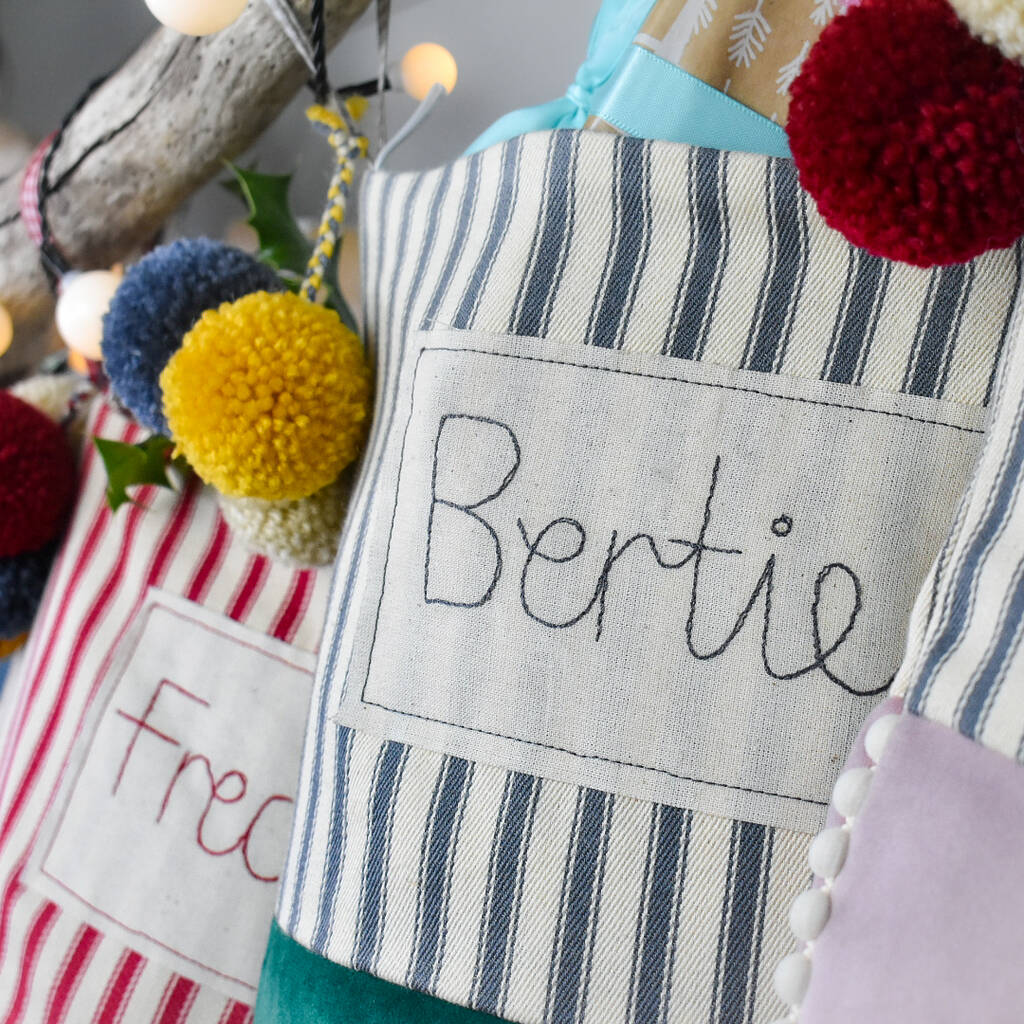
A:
[(907, 131), (37, 477)]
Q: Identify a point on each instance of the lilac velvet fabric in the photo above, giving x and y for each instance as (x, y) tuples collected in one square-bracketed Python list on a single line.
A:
[(928, 913)]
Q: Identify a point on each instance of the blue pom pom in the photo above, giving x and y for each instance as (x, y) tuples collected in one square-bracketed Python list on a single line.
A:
[(22, 579), (159, 300)]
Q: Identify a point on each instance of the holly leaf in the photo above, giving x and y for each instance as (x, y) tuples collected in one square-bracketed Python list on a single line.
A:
[(282, 243), (130, 465)]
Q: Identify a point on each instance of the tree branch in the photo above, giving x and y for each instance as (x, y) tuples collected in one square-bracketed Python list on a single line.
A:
[(153, 133)]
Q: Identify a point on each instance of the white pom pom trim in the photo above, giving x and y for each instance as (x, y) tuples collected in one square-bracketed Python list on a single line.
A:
[(878, 734), (851, 791), (54, 395), (809, 914), (811, 910), (827, 853), (791, 978)]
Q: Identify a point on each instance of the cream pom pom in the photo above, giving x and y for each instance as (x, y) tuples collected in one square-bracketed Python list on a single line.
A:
[(997, 22), (50, 393), (298, 531)]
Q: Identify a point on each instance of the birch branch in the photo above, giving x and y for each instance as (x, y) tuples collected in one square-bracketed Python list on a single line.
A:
[(154, 132)]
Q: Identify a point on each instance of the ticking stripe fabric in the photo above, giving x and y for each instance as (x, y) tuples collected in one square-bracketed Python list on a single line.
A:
[(54, 966), (965, 665), (529, 897), (537, 900)]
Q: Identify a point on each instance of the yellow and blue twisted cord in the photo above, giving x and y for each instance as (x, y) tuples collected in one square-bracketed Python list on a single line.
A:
[(348, 146)]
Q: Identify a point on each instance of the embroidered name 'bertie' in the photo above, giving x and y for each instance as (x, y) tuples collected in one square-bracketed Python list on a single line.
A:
[(464, 486), (225, 789)]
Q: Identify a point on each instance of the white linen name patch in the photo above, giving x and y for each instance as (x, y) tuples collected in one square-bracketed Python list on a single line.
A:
[(172, 824), (647, 575)]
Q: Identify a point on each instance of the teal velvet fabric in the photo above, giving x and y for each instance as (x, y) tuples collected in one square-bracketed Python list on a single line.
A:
[(299, 987)]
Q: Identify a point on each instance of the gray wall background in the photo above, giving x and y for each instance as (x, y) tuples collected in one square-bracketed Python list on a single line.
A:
[(510, 54)]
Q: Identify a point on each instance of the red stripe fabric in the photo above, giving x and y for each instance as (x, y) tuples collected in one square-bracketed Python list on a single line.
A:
[(42, 747), (119, 988), (178, 999), (173, 537), (295, 604), (100, 523), (103, 599), (81, 951), (51, 595), (211, 560), (249, 590), (164, 550), (236, 1013), (99, 583), (158, 567), (41, 925), (12, 891)]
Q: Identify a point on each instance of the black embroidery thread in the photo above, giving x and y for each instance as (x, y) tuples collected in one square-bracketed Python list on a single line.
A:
[(470, 510), (614, 554), (632, 373), (704, 384), (697, 550), (766, 583), (587, 757)]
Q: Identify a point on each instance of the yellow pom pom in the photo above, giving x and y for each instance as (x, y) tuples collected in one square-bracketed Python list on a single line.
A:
[(268, 396)]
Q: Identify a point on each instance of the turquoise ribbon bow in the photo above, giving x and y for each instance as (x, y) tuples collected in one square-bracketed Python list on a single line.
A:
[(617, 22), (642, 95)]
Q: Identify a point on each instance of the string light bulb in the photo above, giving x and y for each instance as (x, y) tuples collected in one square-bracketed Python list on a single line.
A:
[(83, 300), (242, 235), (348, 276), (425, 65), (196, 17), (6, 329), (78, 363)]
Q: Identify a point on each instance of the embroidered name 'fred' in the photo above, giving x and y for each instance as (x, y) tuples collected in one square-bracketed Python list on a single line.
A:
[(170, 828), (661, 577), (209, 794)]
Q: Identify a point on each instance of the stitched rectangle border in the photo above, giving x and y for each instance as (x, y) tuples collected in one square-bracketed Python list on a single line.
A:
[(926, 433)]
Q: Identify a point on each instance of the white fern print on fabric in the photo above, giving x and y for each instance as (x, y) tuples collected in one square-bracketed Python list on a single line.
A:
[(825, 10), (697, 14), (749, 31), (788, 72), (694, 16)]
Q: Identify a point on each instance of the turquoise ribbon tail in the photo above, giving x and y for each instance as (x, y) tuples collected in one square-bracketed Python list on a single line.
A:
[(651, 98)]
